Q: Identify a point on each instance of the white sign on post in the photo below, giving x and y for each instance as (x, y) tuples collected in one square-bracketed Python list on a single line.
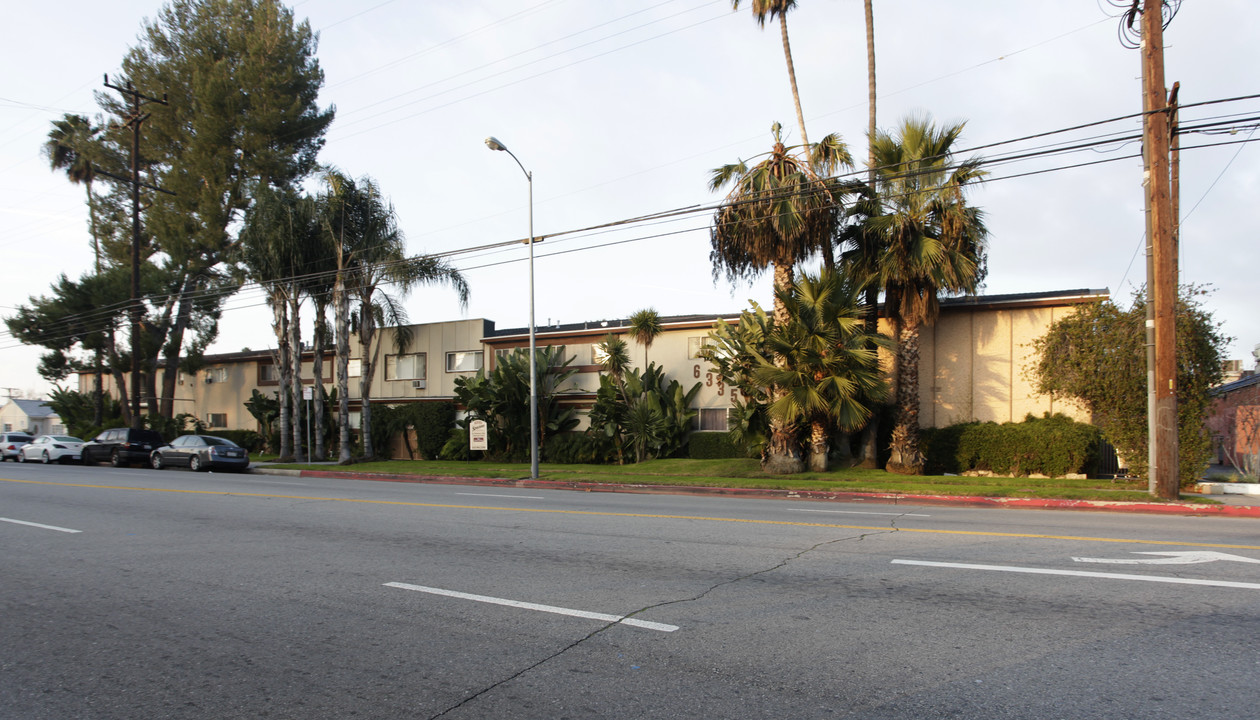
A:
[(308, 393), (477, 435)]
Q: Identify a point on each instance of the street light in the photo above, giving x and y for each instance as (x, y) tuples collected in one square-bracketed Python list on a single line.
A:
[(494, 144)]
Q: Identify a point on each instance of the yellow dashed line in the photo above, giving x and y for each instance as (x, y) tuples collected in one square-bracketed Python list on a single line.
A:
[(972, 533)]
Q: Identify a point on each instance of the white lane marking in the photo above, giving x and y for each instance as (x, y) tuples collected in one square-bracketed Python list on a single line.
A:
[(1083, 573), (1188, 557), (859, 512), (534, 606), (513, 497), (46, 527)]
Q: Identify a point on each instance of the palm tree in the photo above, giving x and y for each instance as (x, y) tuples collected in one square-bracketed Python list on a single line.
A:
[(72, 144), (371, 254), (273, 236), (933, 243), (763, 9), (831, 376), (778, 213), (645, 326)]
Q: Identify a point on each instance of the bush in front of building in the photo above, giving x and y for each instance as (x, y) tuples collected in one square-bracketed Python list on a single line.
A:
[(574, 448), (713, 446), (248, 439), (1053, 445)]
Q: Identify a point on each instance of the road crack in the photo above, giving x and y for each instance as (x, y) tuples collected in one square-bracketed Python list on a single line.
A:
[(666, 603)]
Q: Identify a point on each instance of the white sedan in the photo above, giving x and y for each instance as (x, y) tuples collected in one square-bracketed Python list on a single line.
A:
[(52, 448)]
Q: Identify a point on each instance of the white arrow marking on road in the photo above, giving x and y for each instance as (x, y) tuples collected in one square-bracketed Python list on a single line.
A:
[(1190, 557), (1083, 573)]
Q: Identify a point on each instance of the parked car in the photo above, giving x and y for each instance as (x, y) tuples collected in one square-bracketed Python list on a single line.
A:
[(201, 452), (11, 444), (121, 446), (51, 448)]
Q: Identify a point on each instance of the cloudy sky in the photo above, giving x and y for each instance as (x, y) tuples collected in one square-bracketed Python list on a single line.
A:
[(620, 109)]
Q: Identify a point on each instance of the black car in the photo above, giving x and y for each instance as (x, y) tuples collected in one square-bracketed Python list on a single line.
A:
[(121, 446), (201, 452)]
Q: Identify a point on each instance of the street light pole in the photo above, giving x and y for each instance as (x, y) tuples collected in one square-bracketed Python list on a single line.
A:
[(494, 144)]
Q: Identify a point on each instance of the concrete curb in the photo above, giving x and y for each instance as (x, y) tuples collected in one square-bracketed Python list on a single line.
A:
[(1154, 508)]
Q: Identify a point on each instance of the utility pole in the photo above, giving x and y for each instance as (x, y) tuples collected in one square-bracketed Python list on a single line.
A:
[(1161, 282), (134, 120)]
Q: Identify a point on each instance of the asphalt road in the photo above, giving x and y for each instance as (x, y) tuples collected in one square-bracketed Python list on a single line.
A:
[(144, 594)]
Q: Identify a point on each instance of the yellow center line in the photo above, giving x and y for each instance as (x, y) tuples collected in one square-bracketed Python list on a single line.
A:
[(748, 521)]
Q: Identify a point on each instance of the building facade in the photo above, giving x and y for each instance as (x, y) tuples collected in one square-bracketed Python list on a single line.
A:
[(973, 363)]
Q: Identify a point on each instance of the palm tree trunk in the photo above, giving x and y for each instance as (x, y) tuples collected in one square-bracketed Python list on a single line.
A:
[(782, 454), (796, 96), (906, 457), (818, 446), (366, 331), (280, 324), (869, 447), (320, 453), (295, 342), (98, 394), (341, 306)]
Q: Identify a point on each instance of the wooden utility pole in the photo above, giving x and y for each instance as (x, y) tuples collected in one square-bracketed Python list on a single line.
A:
[(1162, 282), (134, 119)]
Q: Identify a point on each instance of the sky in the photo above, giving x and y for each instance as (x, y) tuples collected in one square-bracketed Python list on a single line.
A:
[(622, 109)]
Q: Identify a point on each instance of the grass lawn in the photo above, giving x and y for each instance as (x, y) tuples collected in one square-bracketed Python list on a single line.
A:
[(746, 473)]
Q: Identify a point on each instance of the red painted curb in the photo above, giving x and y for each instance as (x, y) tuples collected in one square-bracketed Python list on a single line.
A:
[(823, 495)]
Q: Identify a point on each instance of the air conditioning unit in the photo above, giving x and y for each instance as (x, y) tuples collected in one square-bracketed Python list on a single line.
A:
[(417, 385), (209, 379)]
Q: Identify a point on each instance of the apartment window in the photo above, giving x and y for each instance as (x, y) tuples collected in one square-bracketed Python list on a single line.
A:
[(695, 343), (215, 375), (267, 373), (406, 367), (354, 367), (712, 419), (598, 355), (464, 361), (216, 420)]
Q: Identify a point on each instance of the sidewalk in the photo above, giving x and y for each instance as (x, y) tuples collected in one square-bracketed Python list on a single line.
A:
[(1230, 505)]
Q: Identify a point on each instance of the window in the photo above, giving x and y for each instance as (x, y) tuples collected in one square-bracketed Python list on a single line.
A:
[(464, 361), (355, 367), (214, 375), (598, 356), (406, 367), (695, 343), (712, 419), (216, 420), (267, 373)]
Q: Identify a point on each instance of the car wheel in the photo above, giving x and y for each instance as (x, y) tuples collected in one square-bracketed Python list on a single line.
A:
[(45, 458), (115, 459), (156, 461), (194, 464)]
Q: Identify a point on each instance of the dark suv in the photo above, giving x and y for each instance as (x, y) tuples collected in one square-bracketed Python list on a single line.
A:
[(121, 446)]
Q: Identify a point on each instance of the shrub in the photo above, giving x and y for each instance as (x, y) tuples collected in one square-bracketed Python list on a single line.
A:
[(713, 446), (1052, 445), (573, 448), (248, 439)]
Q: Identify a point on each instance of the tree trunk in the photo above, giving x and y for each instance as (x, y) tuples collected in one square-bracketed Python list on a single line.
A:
[(868, 449), (366, 332), (796, 96), (295, 343), (320, 453), (783, 455), (170, 360), (341, 307), (818, 446), (280, 325), (906, 458)]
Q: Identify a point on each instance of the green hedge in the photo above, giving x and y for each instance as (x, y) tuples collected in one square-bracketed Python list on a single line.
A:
[(1053, 445), (247, 439), (574, 448), (712, 446)]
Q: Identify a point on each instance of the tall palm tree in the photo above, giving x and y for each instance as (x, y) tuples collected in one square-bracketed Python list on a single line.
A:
[(275, 234), (645, 326), (932, 243), (763, 9), (371, 253), (72, 145), (831, 377), (777, 213)]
